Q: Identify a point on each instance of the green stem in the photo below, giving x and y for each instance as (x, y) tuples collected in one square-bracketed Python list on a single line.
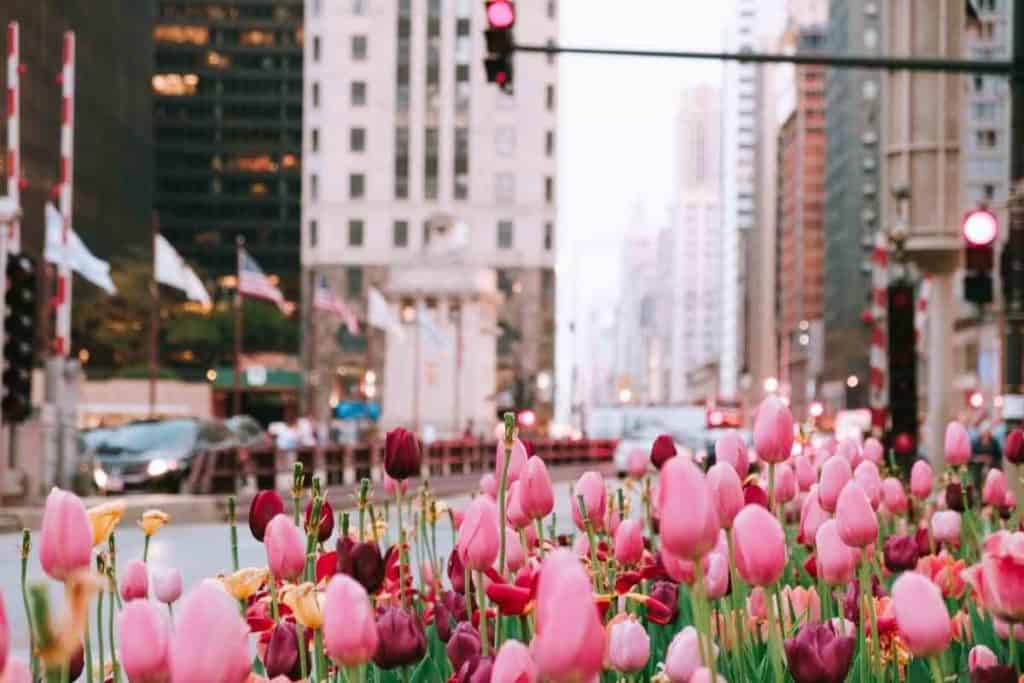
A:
[(865, 588), (647, 511), (703, 630), (482, 606), (774, 634), (272, 586), (110, 625), (26, 550), (502, 484), (936, 667), (87, 646), (99, 635), (312, 534), (592, 543), (301, 635), (233, 530), (771, 486), (401, 546), (145, 550), (540, 537), (1013, 647), (321, 660)]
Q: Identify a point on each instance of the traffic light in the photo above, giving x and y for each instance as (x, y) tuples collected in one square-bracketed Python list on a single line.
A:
[(19, 339), (501, 17), (980, 230), (902, 368)]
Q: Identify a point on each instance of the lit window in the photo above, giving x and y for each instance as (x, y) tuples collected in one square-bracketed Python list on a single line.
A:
[(256, 37), (194, 35), (355, 233), (216, 60), (289, 161), (506, 234), (258, 189), (175, 84), (358, 48)]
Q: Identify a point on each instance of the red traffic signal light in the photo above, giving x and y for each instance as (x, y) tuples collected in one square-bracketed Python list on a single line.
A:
[(501, 14), (979, 227)]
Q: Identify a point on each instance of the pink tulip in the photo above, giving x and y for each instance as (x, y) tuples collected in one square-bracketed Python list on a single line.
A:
[(773, 430), (535, 493), (17, 672), (866, 474), (806, 475), (994, 491), (489, 486), (478, 536), (65, 541), (785, 483), (893, 495), (570, 642), (857, 522), (391, 486), (208, 617), (946, 527), (515, 554), (636, 463), (849, 450), (921, 479), (1010, 501), (581, 546), (703, 675), (514, 664), (629, 646), (999, 578), (515, 463), (689, 521), (5, 638), (921, 615), (759, 545), (836, 561), (678, 569), (981, 657), (730, 449), (726, 492), (612, 519), (683, 656), (958, 444), (629, 542), (167, 585), (134, 581), (812, 516), (144, 635), (350, 629), (873, 451), (591, 486), (514, 507), (835, 474), (716, 575), (286, 548)]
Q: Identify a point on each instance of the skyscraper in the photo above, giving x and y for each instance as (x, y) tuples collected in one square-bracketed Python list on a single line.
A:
[(403, 137)]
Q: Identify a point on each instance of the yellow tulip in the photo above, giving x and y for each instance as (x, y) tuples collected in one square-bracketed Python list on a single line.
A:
[(244, 583), (103, 519), (63, 634), (306, 604), (152, 521)]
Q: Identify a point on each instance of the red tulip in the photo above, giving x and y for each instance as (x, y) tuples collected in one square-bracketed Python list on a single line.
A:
[(893, 495), (726, 492), (65, 541), (900, 553), (536, 494), (514, 664), (994, 492), (818, 654), (1014, 448), (636, 464), (663, 605), (866, 474), (759, 545), (873, 451), (958, 444), (812, 516), (463, 645), (511, 599), (856, 520), (629, 646), (350, 632), (629, 542), (836, 561), (361, 561), (591, 486), (921, 615), (478, 535), (210, 640), (515, 464), (921, 479), (143, 636), (401, 454), (326, 527), (730, 449), (755, 495), (134, 581), (773, 431), (265, 506), (401, 640), (806, 475), (570, 642), (281, 657), (689, 521), (835, 474), (663, 448)]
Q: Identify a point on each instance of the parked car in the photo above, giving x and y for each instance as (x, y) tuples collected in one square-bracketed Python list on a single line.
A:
[(152, 453), (641, 440), (248, 432)]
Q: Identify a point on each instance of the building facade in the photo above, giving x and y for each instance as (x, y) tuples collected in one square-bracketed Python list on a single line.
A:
[(227, 116), (403, 138)]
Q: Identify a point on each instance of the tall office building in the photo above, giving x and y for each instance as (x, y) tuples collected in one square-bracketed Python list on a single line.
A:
[(227, 114), (637, 340), (403, 138), (852, 187)]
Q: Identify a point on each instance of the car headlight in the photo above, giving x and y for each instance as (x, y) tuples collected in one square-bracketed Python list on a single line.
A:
[(157, 467), (99, 477)]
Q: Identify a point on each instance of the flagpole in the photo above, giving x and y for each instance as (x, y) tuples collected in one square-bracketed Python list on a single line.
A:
[(416, 373), (458, 372), (236, 393), (154, 322)]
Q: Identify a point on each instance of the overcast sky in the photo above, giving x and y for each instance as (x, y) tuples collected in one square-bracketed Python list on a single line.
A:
[(617, 140)]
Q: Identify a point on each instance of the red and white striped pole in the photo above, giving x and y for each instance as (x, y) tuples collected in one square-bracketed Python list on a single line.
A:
[(879, 350), (62, 342), (13, 129)]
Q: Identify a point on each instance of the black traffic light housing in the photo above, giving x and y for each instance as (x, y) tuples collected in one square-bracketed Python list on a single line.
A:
[(902, 367), (19, 339), (501, 18), (980, 229)]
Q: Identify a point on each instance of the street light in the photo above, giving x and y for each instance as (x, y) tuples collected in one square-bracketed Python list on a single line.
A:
[(977, 400), (625, 395), (816, 409), (771, 385), (853, 381)]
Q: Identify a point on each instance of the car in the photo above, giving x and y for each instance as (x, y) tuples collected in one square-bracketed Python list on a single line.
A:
[(248, 432), (150, 454), (639, 440)]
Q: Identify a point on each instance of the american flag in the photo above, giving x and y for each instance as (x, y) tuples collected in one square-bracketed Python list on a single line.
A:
[(326, 300), (254, 283)]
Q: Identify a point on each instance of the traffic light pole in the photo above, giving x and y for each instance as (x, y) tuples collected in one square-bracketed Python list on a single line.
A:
[(1013, 251)]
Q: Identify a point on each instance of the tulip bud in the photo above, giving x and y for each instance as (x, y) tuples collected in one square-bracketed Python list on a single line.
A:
[(759, 546), (514, 507), (981, 657), (400, 639), (152, 521), (477, 670), (350, 632), (785, 483), (997, 673), (689, 520), (921, 479), (957, 497), (167, 585), (731, 450), (590, 486), (305, 604), (65, 541), (901, 553), (514, 663), (873, 451), (946, 527), (478, 535), (286, 548), (281, 657), (401, 454), (265, 506), (726, 492), (856, 520), (326, 527), (773, 431), (104, 518), (818, 653), (629, 646), (812, 516), (515, 463), (921, 615), (209, 623), (835, 560), (463, 645), (636, 464), (958, 444), (134, 581), (666, 593), (629, 542), (1014, 449), (994, 491), (835, 474), (893, 495), (683, 657), (535, 493), (663, 448)]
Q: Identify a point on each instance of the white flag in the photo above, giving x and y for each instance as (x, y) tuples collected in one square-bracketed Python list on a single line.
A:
[(378, 314), (80, 259), (427, 326), (170, 269)]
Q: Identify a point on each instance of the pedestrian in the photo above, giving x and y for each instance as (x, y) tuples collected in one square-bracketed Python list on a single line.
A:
[(985, 454)]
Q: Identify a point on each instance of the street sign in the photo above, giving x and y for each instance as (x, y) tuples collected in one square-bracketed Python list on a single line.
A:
[(256, 376), (1013, 407)]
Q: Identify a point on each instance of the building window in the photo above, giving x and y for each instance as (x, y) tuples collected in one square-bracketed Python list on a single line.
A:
[(552, 9), (355, 233), (404, 56), (461, 163), (986, 139), (426, 233), (549, 143), (359, 7), (505, 141), (356, 185), (400, 233), (357, 139), (549, 236), (463, 58), (354, 281), (401, 162), (358, 48), (314, 141), (313, 229), (549, 97), (433, 76), (431, 163), (358, 93), (316, 48), (316, 94), (506, 234), (314, 187), (549, 189), (505, 188)]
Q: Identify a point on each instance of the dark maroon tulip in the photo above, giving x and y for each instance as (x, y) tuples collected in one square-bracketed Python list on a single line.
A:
[(265, 506), (530, 448), (923, 546), (282, 655), (663, 448), (400, 637), (955, 496), (401, 454), (564, 540), (819, 655), (994, 674), (755, 495), (457, 573), (456, 605), (851, 609), (443, 621), (361, 561), (1014, 448), (463, 645), (76, 664), (900, 553), (667, 594), (326, 520), (477, 670)]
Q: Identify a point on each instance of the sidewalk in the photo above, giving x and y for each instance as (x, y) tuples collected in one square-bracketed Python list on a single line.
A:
[(212, 509)]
